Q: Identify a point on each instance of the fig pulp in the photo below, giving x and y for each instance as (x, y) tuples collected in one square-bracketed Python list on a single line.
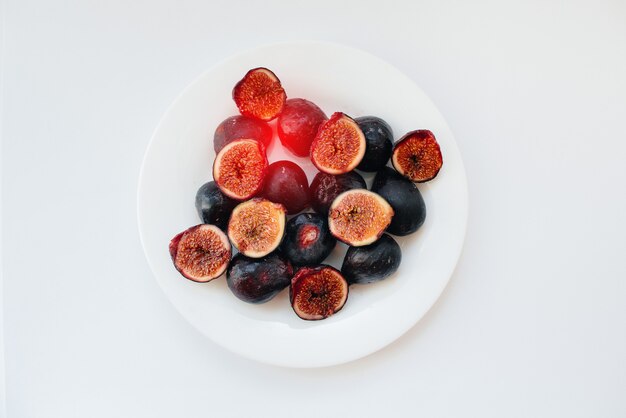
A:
[(201, 253), (308, 240), (287, 184), (238, 127), (317, 292), (372, 263), (259, 94), (256, 227), (417, 156), (339, 145), (379, 143), (405, 199), (240, 168), (359, 217), (257, 280), (298, 124), (213, 206), (326, 187)]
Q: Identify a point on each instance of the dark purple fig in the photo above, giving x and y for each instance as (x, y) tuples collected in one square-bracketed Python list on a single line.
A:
[(372, 263), (200, 253), (213, 206), (257, 280), (317, 292), (379, 143), (326, 187), (405, 199), (307, 240)]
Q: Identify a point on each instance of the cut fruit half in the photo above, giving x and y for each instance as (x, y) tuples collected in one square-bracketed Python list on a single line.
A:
[(417, 156), (317, 292), (359, 217), (256, 227), (240, 168), (201, 253), (339, 145), (259, 94)]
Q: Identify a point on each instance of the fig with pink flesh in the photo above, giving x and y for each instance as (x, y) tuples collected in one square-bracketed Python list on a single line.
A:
[(200, 253), (417, 156), (317, 292), (259, 94), (256, 227), (240, 168), (339, 145), (359, 217)]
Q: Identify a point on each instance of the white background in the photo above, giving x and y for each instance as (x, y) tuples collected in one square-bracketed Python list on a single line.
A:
[(533, 322)]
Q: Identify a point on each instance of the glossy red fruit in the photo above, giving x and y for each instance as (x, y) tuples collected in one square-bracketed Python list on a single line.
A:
[(317, 292), (298, 124), (339, 145), (200, 253), (259, 94), (417, 156), (240, 168), (237, 127), (287, 184)]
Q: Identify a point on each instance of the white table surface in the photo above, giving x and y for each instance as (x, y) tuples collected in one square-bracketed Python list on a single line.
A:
[(533, 322)]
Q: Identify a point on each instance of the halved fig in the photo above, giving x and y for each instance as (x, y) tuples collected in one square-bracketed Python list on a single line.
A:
[(417, 156), (359, 217), (259, 94), (201, 253), (326, 187), (317, 292), (256, 227), (339, 145), (240, 168)]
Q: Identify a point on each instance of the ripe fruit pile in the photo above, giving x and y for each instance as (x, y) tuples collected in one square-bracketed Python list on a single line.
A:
[(248, 202)]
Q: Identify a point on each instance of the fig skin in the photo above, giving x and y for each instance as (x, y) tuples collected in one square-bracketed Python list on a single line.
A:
[(302, 276), (287, 184), (213, 206), (405, 199), (372, 263), (298, 124), (264, 103), (257, 280), (238, 127), (326, 187), (379, 143), (222, 255), (307, 239)]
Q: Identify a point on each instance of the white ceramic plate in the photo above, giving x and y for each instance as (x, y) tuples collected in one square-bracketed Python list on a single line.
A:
[(179, 160)]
